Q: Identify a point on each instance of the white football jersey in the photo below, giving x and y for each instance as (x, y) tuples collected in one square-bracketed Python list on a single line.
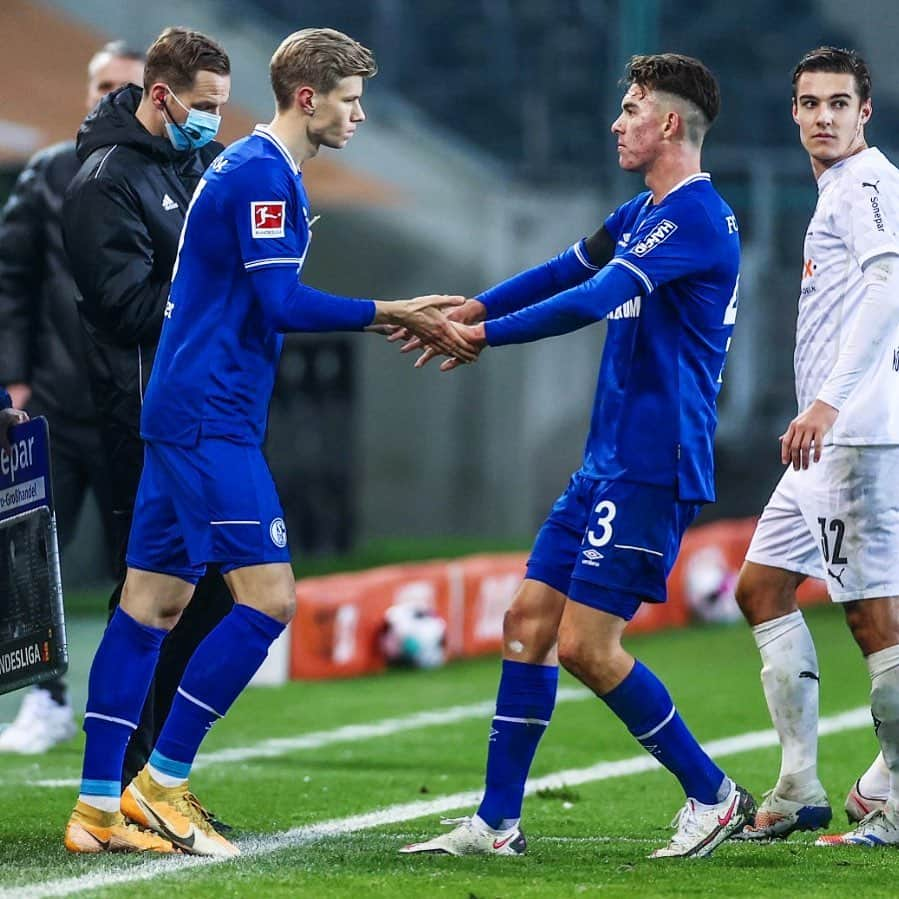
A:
[(856, 219)]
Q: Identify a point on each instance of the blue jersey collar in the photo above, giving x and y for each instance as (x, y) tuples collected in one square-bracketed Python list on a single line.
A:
[(690, 179), (263, 131)]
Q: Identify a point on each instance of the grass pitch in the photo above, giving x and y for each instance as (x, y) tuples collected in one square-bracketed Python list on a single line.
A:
[(290, 769)]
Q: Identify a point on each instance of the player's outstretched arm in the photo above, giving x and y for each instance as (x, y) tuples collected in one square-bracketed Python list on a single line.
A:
[(570, 268), (876, 320), (568, 311)]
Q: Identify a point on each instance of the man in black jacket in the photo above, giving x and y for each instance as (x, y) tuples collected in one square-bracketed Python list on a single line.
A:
[(143, 153), (44, 366)]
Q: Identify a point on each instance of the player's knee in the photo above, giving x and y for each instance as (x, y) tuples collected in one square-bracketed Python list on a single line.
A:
[(527, 634), (280, 608), (873, 631), (762, 598)]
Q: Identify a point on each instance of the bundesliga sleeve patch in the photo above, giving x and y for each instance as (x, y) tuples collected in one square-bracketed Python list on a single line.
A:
[(659, 234), (268, 218)]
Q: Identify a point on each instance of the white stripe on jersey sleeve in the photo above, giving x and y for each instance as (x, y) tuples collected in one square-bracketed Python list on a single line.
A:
[(279, 260), (583, 259), (634, 270)]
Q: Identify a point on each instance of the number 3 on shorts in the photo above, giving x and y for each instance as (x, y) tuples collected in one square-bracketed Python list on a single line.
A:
[(605, 512)]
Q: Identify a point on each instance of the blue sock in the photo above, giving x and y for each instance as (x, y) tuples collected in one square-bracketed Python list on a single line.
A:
[(524, 705), (219, 669), (117, 688), (643, 704)]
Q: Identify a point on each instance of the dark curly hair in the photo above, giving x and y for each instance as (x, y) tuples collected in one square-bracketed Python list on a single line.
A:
[(684, 77)]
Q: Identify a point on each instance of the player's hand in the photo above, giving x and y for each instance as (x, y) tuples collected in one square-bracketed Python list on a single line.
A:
[(10, 418), (473, 335), (20, 394), (425, 318), (807, 431), (471, 312)]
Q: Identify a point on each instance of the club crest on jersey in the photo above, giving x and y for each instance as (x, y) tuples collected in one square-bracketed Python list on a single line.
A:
[(268, 218), (278, 532), (659, 234)]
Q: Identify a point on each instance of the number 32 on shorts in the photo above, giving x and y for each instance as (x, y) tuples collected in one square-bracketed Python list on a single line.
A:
[(605, 512)]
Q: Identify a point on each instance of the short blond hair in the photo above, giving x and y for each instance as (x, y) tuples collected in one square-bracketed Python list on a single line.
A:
[(320, 58)]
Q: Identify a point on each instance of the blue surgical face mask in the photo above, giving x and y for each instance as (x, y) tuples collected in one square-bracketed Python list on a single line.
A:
[(197, 129)]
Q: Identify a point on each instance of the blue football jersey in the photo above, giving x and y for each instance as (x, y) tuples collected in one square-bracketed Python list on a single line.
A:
[(654, 416), (218, 354)]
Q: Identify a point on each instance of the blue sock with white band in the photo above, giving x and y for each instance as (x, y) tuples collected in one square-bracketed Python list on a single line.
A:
[(644, 705), (524, 705), (219, 669), (117, 689)]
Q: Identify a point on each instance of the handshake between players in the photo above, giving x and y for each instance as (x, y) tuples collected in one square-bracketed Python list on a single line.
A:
[(453, 328)]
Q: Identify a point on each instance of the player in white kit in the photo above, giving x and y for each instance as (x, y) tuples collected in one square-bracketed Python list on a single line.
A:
[(835, 512)]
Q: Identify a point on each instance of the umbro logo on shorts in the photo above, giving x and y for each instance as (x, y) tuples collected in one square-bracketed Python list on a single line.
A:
[(278, 532), (592, 557)]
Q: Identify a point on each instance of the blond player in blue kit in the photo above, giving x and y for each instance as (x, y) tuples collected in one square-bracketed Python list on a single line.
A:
[(206, 494)]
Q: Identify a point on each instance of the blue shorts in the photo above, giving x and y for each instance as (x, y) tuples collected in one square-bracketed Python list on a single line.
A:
[(611, 544), (213, 502)]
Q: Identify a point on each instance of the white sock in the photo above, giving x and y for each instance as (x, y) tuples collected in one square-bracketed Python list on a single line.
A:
[(165, 780), (790, 681), (884, 668), (875, 782), (103, 803)]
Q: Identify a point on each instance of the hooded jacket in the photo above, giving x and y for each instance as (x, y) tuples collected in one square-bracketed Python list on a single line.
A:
[(122, 219), (43, 344)]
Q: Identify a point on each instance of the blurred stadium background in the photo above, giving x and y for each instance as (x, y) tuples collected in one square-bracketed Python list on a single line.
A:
[(486, 150)]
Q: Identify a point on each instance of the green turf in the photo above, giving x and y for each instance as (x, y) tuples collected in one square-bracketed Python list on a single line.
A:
[(587, 840)]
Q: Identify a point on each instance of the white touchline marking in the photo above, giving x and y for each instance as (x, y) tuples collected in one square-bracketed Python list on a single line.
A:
[(349, 733), (409, 811)]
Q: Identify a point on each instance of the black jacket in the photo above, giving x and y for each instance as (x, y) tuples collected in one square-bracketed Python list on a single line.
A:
[(122, 219), (42, 339)]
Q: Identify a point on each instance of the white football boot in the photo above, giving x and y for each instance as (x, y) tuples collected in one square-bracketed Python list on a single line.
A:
[(879, 828), (40, 724), (700, 828), (777, 817), (471, 836)]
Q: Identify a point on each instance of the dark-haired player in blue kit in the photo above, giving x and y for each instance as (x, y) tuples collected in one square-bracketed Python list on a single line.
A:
[(206, 494), (663, 269)]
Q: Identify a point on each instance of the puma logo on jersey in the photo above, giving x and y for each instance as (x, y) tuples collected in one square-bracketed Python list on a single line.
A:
[(168, 204), (875, 186)]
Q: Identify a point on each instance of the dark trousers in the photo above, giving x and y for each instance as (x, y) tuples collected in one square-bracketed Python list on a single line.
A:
[(78, 466)]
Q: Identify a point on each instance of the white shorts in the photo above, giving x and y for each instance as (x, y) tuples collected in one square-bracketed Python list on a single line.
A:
[(837, 520)]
